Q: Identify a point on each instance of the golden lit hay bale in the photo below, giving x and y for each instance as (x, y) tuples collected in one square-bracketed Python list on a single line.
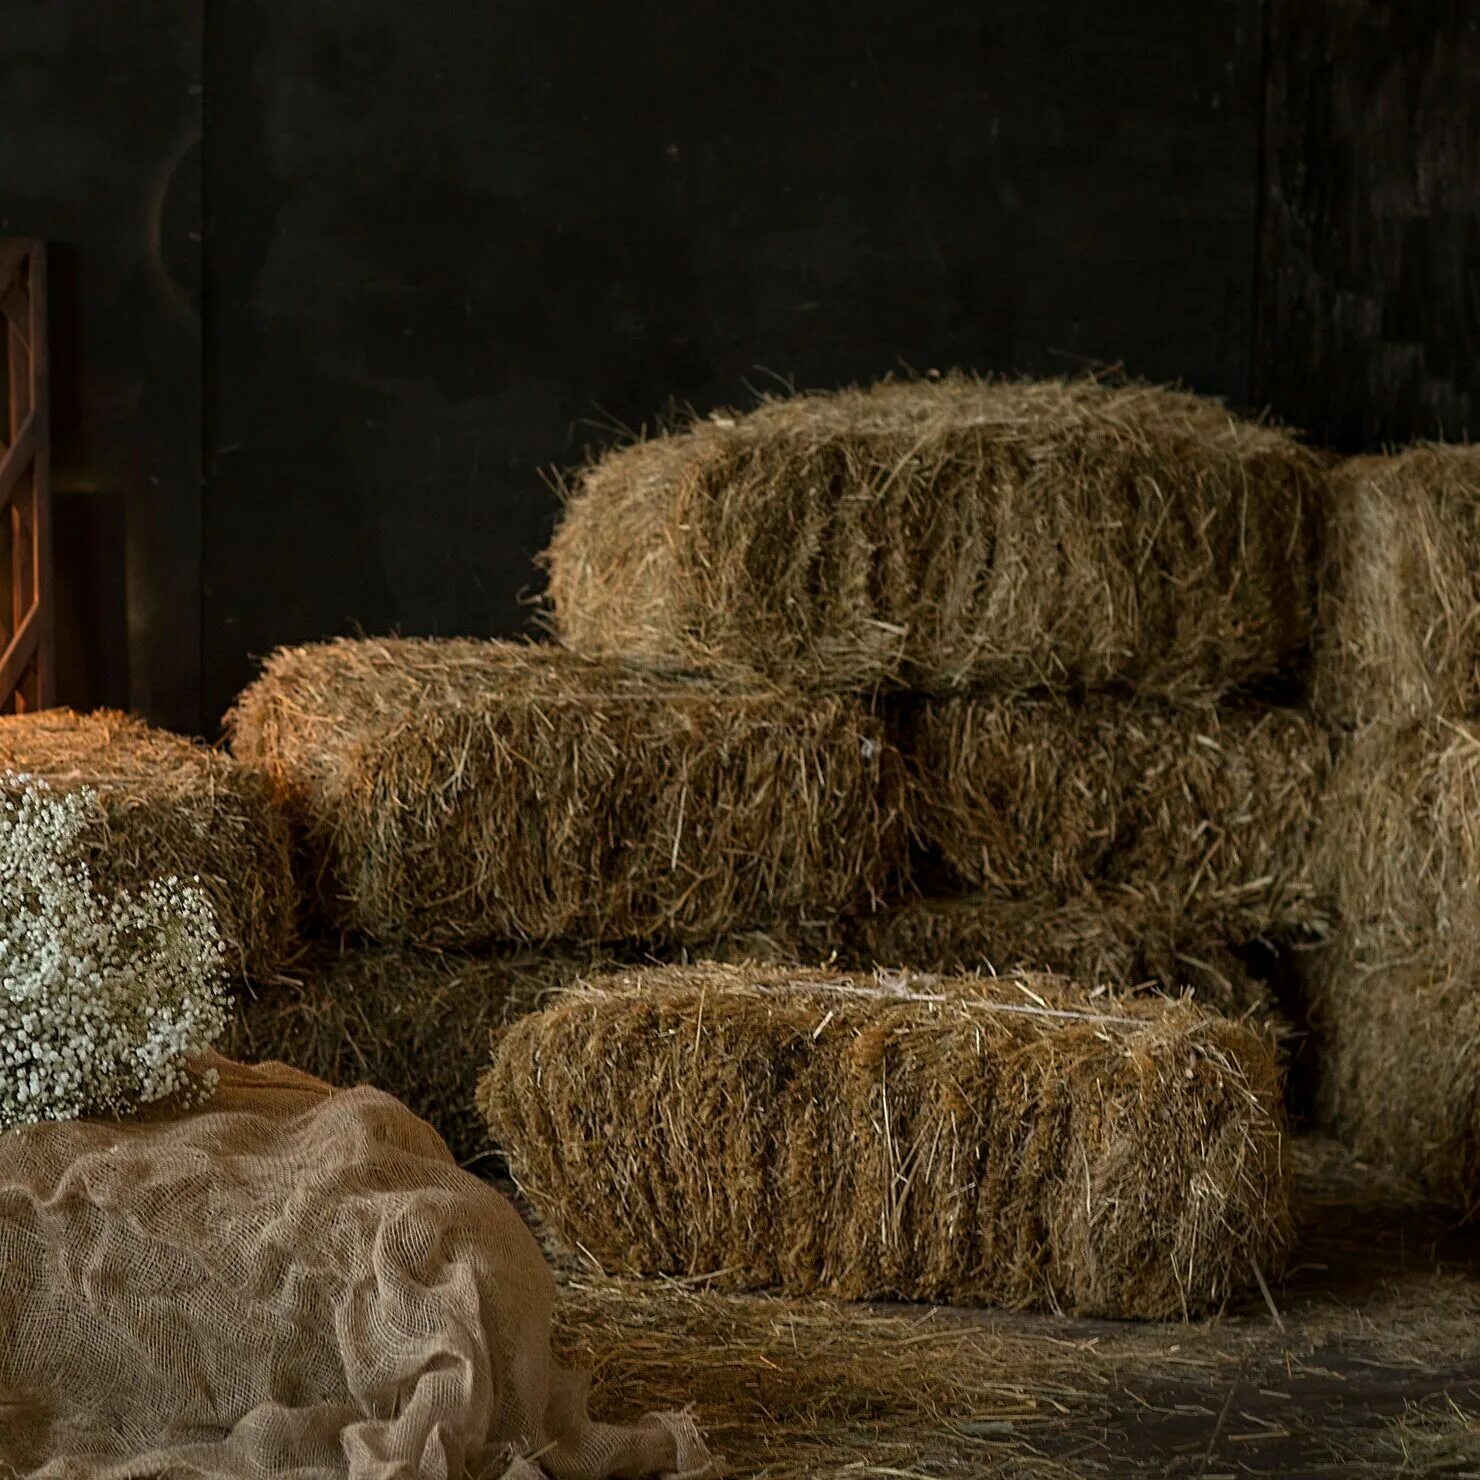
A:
[(978, 1140), (1181, 810), (455, 792), (1095, 939), (1397, 995), (1399, 631), (415, 1023), (170, 806), (952, 533)]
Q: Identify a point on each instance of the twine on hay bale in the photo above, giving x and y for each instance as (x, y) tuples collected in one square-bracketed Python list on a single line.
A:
[(459, 792), (1397, 994), (1197, 809), (1094, 939), (976, 1140), (1399, 631), (950, 533), (170, 806)]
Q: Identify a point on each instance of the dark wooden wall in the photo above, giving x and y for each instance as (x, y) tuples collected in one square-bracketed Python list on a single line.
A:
[(321, 359)]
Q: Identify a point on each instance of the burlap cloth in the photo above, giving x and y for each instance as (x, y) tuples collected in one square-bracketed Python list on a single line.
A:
[(293, 1281)]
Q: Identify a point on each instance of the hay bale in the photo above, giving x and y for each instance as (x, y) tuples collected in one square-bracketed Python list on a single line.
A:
[(949, 534), (415, 1023), (1399, 629), (1094, 939), (1397, 994), (459, 792), (979, 1140), (170, 806), (1178, 810)]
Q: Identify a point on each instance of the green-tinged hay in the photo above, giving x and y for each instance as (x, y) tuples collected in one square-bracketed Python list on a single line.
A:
[(1397, 994), (415, 1023), (1095, 939), (459, 792), (170, 806), (1181, 811), (975, 1140), (1399, 608), (952, 533)]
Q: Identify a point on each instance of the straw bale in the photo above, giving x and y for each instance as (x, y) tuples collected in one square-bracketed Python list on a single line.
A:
[(976, 1140), (951, 533), (170, 806), (1399, 608), (1397, 994), (458, 792), (1094, 939), (1195, 809), (415, 1023)]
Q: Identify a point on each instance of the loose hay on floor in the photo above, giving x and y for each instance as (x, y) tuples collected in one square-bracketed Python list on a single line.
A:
[(1097, 939), (1399, 631), (1194, 810), (983, 1141), (170, 806), (1397, 993), (459, 792), (951, 533)]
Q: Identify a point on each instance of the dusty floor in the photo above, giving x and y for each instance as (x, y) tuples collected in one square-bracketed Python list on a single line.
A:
[(1371, 1368)]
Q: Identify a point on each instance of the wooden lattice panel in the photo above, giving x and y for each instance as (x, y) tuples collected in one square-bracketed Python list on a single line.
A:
[(26, 614)]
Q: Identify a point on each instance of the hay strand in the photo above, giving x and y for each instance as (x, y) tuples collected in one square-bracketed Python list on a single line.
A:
[(951, 533), (170, 806), (977, 1140), (453, 793)]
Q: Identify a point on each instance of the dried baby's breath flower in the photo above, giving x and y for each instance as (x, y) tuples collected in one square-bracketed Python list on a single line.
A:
[(103, 1001)]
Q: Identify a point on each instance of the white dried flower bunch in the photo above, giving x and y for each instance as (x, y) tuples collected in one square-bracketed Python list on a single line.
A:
[(102, 1000)]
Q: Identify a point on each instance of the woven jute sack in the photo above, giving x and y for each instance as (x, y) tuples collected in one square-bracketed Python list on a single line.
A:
[(288, 1280)]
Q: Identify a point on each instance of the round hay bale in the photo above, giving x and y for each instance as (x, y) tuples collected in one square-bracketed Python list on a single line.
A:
[(1095, 939), (459, 792), (170, 806), (1191, 810), (952, 533), (1399, 611), (1397, 995), (973, 1140)]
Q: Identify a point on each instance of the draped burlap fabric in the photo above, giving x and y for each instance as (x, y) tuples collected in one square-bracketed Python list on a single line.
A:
[(290, 1280)]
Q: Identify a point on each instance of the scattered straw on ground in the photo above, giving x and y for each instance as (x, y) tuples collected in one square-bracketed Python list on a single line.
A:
[(1100, 939), (1399, 630), (1397, 994), (994, 1141), (455, 792), (950, 533), (1180, 811), (170, 806)]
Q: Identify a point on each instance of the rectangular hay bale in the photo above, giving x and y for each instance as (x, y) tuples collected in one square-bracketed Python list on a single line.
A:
[(1399, 606), (1397, 994), (978, 1140), (952, 533), (1195, 811), (166, 806), (453, 793)]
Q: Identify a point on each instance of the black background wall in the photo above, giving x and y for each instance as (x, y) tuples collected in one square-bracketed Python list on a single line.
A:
[(342, 279)]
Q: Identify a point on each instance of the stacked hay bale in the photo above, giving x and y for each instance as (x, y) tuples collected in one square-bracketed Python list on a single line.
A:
[(1067, 578), (814, 1132), (167, 806), (1398, 671)]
